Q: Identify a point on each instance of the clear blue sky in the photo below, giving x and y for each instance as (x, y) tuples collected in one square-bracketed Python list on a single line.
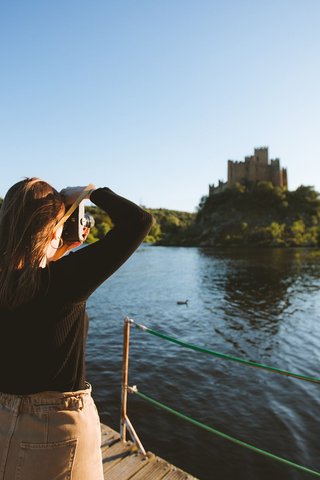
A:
[(152, 97)]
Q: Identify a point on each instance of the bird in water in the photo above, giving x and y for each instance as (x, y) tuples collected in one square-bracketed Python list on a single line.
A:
[(182, 302)]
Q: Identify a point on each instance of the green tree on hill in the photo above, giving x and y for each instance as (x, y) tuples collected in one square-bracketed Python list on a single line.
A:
[(170, 227), (264, 215)]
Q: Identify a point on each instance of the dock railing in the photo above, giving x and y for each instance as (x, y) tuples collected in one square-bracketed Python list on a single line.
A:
[(125, 423)]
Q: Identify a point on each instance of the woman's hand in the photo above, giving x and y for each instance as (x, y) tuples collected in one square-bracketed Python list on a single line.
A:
[(66, 247), (63, 250), (70, 194)]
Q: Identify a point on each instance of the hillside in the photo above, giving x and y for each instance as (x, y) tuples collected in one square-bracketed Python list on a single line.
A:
[(263, 216)]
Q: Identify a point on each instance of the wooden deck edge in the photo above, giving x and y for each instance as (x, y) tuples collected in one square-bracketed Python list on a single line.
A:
[(123, 461)]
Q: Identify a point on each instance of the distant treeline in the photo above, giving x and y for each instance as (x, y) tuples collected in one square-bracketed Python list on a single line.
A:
[(168, 225), (263, 215)]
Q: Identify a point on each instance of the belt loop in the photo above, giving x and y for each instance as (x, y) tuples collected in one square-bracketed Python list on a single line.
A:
[(19, 404)]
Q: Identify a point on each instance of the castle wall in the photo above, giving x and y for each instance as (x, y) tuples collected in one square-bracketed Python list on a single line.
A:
[(213, 189), (262, 173), (237, 172), (256, 168)]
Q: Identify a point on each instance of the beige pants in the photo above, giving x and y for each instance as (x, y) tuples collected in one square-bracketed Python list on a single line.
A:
[(50, 436)]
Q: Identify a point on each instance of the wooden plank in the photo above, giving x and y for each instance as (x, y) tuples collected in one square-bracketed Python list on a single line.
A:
[(177, 474), (155, 470), (116, 453), (123, 461), (108, 436), (128, 467), (107, 429)]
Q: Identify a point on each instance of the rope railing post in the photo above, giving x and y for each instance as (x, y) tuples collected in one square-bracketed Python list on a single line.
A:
[(125, 376), (125, 423)]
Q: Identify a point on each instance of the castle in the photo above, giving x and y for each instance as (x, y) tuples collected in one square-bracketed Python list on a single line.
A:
[(255, 168)]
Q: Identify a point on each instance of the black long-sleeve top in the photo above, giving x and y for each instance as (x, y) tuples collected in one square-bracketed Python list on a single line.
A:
[(42, 343)]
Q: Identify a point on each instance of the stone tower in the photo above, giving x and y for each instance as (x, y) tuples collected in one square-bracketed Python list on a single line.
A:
[(257, 168)]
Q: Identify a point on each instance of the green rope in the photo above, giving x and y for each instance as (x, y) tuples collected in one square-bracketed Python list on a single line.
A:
[(224, 356), (225, 436)]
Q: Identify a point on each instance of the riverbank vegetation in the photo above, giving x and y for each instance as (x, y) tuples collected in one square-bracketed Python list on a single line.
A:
[(263, 215), (260, 216)]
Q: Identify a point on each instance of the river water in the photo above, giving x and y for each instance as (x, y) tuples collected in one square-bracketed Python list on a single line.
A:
[(260, 305)]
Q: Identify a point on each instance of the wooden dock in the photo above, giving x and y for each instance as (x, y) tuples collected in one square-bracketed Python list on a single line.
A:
[(122, 461)]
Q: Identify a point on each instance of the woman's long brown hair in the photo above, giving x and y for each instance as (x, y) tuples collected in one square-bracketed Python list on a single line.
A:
[(29, 213)]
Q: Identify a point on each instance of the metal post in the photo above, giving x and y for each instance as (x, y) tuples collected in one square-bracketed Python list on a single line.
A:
[(135, 437), (125, 375)]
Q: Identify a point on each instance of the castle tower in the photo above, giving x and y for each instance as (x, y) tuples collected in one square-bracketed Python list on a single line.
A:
[(256, 168), (261, 155)]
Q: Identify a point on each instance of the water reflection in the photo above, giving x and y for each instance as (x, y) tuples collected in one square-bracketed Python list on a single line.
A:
[(258, 289)]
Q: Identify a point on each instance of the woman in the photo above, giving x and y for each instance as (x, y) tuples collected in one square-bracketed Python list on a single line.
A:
[(49, 425)]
